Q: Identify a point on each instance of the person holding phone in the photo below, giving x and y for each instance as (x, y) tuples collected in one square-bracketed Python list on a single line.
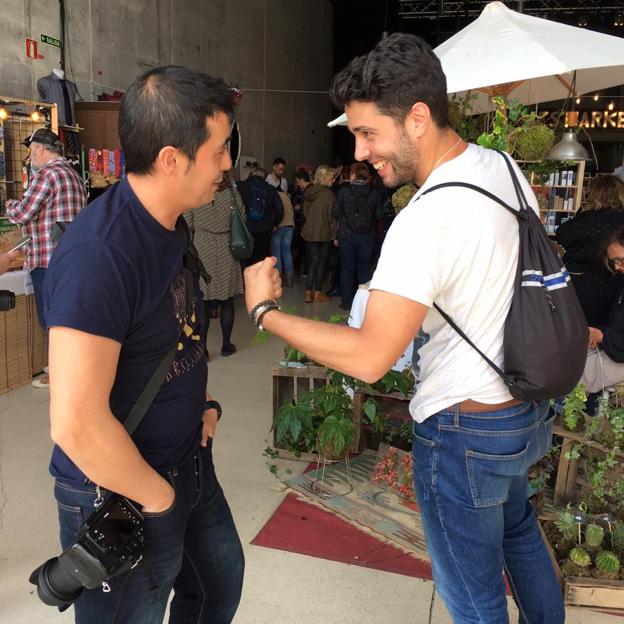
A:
[(56, 193)]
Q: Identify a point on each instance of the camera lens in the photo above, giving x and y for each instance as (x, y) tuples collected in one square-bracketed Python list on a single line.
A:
[(7, 300), (56, 586)]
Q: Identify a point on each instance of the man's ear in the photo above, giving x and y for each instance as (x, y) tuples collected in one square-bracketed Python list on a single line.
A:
[(418, 119), (169, 160)]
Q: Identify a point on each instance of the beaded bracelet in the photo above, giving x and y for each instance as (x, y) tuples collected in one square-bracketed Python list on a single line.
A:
[(263, 312), (254, 310)]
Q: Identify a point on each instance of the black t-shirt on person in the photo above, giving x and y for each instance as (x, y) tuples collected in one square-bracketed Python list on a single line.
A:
[(117, 273)]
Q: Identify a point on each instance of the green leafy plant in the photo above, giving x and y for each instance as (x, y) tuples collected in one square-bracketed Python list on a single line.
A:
[(294, 355), (574, 407), (335, 436), (517, 130), (462, 119), (293, 424), (399, 381)]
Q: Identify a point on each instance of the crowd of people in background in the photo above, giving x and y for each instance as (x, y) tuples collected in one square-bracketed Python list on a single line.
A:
[(326, 227)]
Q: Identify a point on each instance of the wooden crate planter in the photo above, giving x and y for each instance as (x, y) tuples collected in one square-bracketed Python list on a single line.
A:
[(395, 406), (570, 480), (288, 384), (586, 592)]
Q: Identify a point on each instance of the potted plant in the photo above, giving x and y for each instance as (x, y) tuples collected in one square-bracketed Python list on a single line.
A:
[(335, 437)]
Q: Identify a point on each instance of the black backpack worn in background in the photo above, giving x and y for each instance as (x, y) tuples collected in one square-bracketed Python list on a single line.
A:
[(546, 335)]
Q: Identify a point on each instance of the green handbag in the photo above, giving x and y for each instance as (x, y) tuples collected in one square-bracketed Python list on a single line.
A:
[(241, 240)]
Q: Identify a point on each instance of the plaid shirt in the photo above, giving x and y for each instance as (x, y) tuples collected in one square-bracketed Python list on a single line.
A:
[(56, 193)]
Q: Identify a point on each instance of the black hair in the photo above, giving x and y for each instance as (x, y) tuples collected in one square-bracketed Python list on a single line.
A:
[(279, 161), (259, 171), (169, 106), (302, 175), (401, 70)]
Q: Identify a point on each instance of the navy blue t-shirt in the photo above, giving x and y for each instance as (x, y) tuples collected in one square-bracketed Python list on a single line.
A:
[(117, 273)]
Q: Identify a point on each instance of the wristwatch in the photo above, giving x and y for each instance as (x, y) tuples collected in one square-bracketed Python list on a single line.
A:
[(214, 405)]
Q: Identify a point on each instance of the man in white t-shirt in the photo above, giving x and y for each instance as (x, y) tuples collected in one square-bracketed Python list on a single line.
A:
[(473, 443), (276, 177)]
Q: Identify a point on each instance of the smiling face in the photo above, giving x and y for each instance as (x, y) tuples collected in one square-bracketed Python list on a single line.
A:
[(385, 143), (199, 180)]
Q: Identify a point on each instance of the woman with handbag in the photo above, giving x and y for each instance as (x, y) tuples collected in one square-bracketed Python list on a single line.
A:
[(210, 229)]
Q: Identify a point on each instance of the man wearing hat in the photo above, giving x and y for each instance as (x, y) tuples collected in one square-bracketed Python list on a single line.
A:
[(56, 193)]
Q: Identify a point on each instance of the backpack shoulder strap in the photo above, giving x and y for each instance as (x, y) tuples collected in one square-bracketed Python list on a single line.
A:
[(147, 396), (508, 381), (473, 187), (522, 200)]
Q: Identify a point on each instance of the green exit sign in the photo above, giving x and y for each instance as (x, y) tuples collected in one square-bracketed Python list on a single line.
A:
[(51, 41)]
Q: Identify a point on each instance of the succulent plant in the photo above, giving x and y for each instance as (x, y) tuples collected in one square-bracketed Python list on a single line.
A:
[(566, 525), (617, 537), (608, 562), (580, 557), (594, 534)]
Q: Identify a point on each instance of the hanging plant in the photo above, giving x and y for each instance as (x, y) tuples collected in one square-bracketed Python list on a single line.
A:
[(534, 141)]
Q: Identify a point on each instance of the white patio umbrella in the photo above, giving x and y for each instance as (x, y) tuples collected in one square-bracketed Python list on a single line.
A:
[(527, 58)]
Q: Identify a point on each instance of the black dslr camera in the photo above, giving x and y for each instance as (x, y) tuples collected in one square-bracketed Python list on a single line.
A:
[(7, 300), (108, 544)]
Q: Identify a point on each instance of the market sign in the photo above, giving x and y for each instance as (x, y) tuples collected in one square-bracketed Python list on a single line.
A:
[(608, 119), (50, 41)]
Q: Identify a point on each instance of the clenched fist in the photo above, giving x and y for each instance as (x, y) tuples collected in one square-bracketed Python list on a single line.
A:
[(262, 281)]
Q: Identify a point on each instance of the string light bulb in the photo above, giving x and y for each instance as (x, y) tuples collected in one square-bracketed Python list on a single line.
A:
[(3, 114), (578, 100), (611, 105), (36, 116), (596, 97)]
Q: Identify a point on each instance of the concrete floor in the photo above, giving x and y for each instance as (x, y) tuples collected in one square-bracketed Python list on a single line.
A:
[(280, 587)]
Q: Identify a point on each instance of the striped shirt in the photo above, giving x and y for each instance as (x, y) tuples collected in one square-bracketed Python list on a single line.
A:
[(56, 193)]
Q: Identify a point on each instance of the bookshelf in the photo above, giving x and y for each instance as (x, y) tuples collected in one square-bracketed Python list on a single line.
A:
[(561, 196)]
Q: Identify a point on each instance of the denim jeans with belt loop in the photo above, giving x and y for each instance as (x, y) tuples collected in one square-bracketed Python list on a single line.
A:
[(470, 477), (192, 548)]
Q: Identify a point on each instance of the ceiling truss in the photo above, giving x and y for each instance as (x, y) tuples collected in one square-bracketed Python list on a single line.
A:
[(435, 9)]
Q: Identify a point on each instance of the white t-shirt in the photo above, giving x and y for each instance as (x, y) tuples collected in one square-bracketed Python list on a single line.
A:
[(459, 249), (281, 184)]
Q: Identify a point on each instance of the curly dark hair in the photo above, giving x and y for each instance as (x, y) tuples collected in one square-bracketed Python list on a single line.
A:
[(401, 70)]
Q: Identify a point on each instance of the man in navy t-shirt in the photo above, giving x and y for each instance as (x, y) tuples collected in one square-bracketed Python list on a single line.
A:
[(115, 305)]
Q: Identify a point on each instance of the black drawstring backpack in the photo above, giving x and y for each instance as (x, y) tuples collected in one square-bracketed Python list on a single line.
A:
[(546, 335)]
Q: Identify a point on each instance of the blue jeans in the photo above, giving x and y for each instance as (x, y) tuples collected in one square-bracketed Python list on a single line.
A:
[(193, 548), (281, 243), (356, 257), (37, 276), (470, 477)]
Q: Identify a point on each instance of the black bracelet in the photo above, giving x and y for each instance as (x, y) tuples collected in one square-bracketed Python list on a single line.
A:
[(261, 316), (266, 302)]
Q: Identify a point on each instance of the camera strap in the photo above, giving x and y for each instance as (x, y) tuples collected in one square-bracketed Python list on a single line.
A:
[(192, 265)]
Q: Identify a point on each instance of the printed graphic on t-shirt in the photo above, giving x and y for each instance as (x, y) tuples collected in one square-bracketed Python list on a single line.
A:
[(190, 349), (422, 338)]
